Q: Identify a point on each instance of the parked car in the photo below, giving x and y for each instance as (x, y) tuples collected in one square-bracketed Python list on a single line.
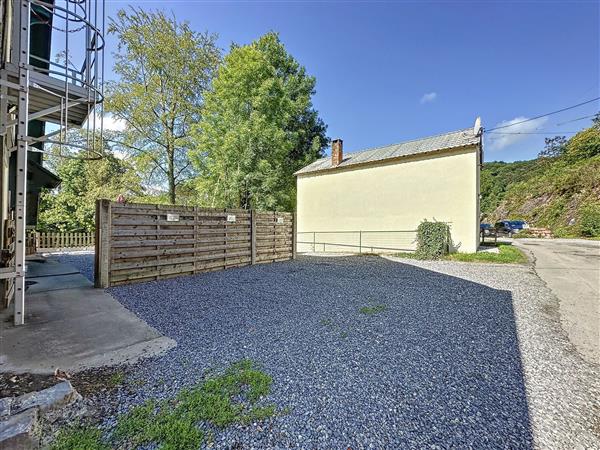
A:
[(485, 228), (519, 224), (510, 227)]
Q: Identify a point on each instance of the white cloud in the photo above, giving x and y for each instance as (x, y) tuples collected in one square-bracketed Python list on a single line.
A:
[(110, 123), (428, 97), (498, 141)]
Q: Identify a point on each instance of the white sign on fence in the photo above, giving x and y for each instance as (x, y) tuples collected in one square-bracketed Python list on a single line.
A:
[(172, 217), (230, 217), (280, 220)]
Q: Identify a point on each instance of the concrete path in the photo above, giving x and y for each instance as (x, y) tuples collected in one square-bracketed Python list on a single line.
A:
[(571, 268), (71, 325)]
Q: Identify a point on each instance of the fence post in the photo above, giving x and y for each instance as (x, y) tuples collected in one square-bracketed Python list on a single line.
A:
[(102, 254), (294, 237), (252, 236), (360, 242)]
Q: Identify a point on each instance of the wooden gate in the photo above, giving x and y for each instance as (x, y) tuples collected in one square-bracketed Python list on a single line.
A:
[(141, 242)]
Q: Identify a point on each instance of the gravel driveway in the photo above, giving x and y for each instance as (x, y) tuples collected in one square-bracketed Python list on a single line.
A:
[(462, 355)]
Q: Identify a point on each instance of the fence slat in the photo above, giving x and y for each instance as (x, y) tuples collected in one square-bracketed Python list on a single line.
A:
[(153, 242), (49, 241)]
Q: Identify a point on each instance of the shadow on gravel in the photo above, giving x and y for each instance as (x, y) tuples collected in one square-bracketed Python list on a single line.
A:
[(82, 261), (437, 364)]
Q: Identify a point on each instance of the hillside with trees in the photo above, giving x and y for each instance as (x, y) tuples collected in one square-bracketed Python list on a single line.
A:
[(559, 190)]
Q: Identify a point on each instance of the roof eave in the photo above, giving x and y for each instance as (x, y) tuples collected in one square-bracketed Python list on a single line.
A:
[(385, 160)]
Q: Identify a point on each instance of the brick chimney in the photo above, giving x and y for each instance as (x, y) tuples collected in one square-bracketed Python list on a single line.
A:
[(337, 154)]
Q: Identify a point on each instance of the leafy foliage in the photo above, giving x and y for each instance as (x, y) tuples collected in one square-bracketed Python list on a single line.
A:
[(497, 177), (164, 69), (559, 192), (554, 147), (72, 206), (589, 220), (258, 127), (433, 240)]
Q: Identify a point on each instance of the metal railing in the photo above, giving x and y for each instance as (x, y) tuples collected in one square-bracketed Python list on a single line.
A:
[(363, 240)]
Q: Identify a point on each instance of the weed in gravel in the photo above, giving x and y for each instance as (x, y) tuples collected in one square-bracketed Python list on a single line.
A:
[(79, 437), (372, 310), (116, 379), (221, 400), (326, 322)]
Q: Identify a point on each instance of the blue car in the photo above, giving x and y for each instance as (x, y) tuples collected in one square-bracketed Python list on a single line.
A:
[(485, 228), (510, 227)]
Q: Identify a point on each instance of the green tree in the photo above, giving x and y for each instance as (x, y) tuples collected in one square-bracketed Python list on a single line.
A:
[(164, 70), (554, 147), (72, 206), (259, 126)]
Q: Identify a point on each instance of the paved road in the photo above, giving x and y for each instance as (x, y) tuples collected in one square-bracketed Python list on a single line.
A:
[(571, 268)]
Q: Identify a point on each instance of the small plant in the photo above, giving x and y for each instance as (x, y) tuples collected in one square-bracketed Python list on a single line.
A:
[(79, 437), (326, 322), (371, 310), (433, 240), (222, 399), (116, 379)]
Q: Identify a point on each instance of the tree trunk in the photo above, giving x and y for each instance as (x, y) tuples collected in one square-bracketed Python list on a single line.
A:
[(171, 175)]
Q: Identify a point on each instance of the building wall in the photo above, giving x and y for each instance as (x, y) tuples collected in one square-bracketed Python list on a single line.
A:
[(391, 196)]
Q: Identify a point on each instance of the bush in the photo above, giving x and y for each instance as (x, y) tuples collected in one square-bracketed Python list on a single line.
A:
[(433, 240), (589, 220)]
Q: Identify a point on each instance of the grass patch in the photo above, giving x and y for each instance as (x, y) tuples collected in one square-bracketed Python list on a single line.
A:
[(371, 310), (116, 379), (222, 399), (79, 438), (507, 254)]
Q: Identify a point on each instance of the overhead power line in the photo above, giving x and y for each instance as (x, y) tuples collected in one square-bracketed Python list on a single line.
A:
[(575, 120), (543, 115), (534, 132)]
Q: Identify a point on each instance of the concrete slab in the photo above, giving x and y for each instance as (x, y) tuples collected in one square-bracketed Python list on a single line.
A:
[(571, 268), (71, 325)]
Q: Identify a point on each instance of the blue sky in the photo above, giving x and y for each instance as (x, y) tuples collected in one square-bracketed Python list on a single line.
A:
[(393, 71)]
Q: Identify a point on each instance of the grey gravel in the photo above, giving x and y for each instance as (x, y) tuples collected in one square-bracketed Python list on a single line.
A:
[(81, 260), (439, 366), (563, 389), (463, 355)]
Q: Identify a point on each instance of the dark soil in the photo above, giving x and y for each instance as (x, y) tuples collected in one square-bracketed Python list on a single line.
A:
[(87, 382)]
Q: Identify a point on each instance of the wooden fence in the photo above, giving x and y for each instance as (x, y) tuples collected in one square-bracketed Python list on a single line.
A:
[(60, 241), (141, 242)]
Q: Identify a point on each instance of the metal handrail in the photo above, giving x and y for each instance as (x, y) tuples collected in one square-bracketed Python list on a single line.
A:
[(360, 231), (360, 244)]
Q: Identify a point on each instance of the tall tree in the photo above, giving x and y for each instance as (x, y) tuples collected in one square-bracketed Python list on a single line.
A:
[(71, 207), (164, 70), (259, 126)]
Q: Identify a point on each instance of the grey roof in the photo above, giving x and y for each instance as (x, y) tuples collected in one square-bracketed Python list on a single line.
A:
[(454, 139)]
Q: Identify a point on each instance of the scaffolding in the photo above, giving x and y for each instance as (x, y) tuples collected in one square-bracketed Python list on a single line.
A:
[(63, 92)]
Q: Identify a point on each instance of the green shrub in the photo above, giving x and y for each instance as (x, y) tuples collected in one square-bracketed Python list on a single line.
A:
[(433, 240), (589, 220)]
